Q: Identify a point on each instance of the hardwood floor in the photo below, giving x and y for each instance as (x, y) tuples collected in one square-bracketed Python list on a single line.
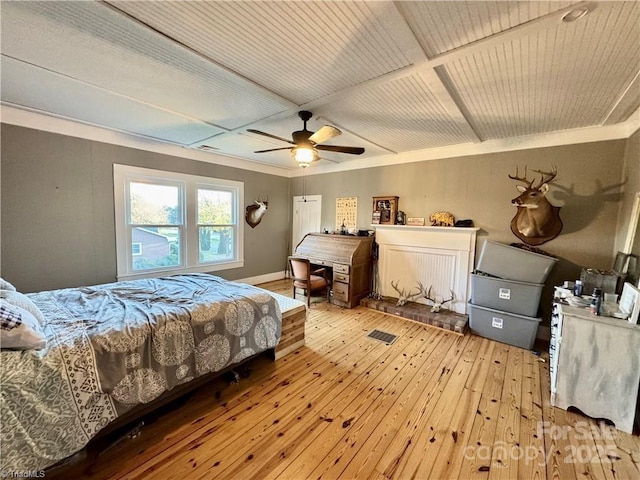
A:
[(433, 404)]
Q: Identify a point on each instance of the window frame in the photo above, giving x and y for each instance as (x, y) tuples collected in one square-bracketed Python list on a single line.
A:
[(188, 186)]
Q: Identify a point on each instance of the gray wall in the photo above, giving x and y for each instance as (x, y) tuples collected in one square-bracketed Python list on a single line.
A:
[(58, 213), (57, 203), (631, 171), (632, 174), (588, 187)]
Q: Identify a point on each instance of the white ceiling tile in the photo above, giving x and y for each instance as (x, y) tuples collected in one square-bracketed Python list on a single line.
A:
[(22, 86), (441, 26), (401, 115), (551, 80), (96, 45), (300, 50)]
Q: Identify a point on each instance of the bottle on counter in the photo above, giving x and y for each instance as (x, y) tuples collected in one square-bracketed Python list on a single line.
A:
[(596, 301), (577, 288)]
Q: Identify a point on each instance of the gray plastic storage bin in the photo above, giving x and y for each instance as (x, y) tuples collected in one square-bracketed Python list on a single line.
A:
[(514, 263), (505, 327), (507, 295)]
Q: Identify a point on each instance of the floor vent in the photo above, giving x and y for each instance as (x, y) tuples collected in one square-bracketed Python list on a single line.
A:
[(385, 337)]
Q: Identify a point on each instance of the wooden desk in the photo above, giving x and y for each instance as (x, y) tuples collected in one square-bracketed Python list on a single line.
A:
[(348, 256)]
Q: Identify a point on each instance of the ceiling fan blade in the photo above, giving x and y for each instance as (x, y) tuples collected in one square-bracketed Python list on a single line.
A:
[(273, 150), (341, 149), (324, 134), (258, 132)]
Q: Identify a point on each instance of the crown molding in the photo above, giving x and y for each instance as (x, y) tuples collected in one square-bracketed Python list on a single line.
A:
[(36, 120), (552, 139), (64, 126)]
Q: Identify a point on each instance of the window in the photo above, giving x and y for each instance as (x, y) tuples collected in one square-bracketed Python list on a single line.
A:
[(175, 223)]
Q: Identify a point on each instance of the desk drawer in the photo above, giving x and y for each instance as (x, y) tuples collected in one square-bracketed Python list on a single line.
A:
[(340, 277), (341, 268), (324, 263), (341, 292)]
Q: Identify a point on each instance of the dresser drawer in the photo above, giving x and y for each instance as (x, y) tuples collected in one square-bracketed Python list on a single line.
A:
[(340, 277), (341, 292), (341, 268)]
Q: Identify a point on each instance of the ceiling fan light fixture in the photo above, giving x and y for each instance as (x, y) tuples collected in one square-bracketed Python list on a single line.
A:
[(304, 155)]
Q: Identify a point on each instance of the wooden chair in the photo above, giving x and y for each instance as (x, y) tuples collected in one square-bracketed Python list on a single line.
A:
[(307, 279)]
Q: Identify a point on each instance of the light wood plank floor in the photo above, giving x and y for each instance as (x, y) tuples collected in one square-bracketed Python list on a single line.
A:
[(431, 405)]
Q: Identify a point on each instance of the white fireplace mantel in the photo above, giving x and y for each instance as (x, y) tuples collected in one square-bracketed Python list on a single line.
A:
[(440, 257)]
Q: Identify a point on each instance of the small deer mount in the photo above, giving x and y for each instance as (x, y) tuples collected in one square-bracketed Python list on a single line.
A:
[(254, 212), (536, 221)]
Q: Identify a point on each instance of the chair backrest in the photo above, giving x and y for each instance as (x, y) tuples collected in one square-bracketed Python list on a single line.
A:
[(300, 268)]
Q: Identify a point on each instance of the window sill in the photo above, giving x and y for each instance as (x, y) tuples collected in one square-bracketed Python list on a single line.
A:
[(178, 271)]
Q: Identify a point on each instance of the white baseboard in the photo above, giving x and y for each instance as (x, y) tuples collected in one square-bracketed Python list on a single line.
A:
[(267, 277)]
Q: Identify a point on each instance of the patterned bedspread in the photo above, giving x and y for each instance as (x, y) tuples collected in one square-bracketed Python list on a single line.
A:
[(111, 347)]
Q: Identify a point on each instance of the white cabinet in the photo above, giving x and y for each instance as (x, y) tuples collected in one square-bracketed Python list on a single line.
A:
[(595, 365)]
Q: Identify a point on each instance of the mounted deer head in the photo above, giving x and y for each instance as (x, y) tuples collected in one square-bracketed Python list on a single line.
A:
[(254, 212), (536, 220), (403, 296), (437, 304)]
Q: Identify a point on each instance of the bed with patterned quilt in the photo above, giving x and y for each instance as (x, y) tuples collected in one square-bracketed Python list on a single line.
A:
[(110, 348)]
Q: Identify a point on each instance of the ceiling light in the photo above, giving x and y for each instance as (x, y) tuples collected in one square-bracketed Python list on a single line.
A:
[(304, 155), (575, 14)]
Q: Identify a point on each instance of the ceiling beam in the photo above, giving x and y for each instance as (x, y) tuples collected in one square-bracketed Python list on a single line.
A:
[(626, 104)]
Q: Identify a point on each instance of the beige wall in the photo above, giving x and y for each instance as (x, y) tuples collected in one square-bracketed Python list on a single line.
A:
[(588, 187)]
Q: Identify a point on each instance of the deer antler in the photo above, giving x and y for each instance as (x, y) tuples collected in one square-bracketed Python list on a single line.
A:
[(453, 296), (437, 305), (403, 297), (427, 296), (546, 177), (522, 179), (423, 291)]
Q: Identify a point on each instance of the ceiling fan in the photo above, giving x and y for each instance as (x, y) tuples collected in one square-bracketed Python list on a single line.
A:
[(306, 143)]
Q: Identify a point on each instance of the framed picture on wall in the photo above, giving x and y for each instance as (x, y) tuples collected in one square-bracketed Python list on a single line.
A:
[(384, 210)]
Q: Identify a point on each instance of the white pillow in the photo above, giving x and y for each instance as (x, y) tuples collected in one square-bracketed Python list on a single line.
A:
[(19, 329), (4, 285), (21, 300)]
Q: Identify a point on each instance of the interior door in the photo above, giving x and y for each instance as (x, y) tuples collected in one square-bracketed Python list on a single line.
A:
[(307, 212)]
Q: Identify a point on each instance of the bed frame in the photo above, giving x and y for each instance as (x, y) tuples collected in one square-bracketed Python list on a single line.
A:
[(294, 315)]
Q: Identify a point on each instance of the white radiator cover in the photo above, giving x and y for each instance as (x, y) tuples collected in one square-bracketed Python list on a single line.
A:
[(440, 257)]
